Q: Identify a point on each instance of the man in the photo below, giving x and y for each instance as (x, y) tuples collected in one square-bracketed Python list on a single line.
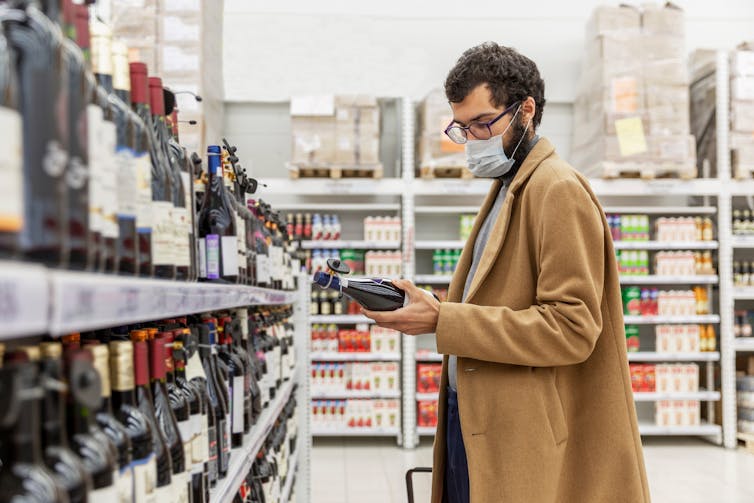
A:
[(536, 403)]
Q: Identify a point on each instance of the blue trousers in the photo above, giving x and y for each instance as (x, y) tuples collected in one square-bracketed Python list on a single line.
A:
[(456, 468)]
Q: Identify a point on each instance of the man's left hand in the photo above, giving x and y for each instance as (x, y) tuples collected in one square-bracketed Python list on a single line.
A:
[(418, 317)]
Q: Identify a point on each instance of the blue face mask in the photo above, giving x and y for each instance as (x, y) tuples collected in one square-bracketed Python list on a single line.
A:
[(487, 158)]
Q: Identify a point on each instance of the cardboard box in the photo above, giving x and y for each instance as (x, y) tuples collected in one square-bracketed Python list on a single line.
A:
[(742, 63), (742, 88), (607, 20), (313, 140), (662, 19), (742, 117)]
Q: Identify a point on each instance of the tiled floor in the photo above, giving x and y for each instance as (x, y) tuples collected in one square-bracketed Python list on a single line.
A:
[(373, 471)]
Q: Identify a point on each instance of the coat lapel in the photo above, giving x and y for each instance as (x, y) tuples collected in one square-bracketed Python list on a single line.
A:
[(540, 152)]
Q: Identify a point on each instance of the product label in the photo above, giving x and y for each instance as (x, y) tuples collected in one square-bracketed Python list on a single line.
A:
[(241, 240), (126, 485), (181, 489), (162, 231), (202, 256), (185, 428), (238, 404), (145, 479), (109, 181), (212, 256), (230, 255), (109, 493), (127, 183), (165, 493), (95, 131), (213, 457), (225, 442), (198, 442), (143, 192), (11, 172)]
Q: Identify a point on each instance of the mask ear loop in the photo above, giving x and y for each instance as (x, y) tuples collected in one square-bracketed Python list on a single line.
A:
[(522, 138)]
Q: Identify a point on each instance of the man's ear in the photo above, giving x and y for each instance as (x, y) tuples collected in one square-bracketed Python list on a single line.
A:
[(529, 108)]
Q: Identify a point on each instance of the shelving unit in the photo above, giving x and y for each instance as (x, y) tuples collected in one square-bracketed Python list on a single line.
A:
[(701, 395), (285, 493), (358, 432), (359, 245), (355, 357), (428, 357), (435, 245), (355, 394), (432, 279), (699, 279), (666, 245), (340, 319), (745, 344), (648, 357), (662, 320), (703, 430)]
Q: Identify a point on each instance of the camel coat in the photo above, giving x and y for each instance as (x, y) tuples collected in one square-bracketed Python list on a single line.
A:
[(547, 413)]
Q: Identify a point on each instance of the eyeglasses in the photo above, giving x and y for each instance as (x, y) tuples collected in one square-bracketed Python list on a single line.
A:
[(479, 130)]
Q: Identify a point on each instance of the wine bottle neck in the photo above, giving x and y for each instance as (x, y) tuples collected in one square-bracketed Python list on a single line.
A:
[(25, 437)]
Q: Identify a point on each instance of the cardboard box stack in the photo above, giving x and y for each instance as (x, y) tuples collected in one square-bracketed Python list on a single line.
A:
[(631, 113), (436, 150), (337, 133), (181, 42)]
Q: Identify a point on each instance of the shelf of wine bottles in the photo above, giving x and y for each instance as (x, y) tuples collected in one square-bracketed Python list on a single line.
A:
[(193, 409)]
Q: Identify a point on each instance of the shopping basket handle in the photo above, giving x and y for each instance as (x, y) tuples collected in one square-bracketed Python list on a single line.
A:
[(410, 482)]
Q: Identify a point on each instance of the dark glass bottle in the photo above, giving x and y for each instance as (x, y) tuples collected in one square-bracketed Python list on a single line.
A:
[(240, 334), (61, 460), (145, 403), (238, 391), (372, 294), (259, 346), (260, 245), (218, 253), (92, 445), (183, 201), (198, 412), (148, 168), (143, 462), (162, 186), (217, 391), (181, 412), (109, 424), (36, 41), (24, 476)]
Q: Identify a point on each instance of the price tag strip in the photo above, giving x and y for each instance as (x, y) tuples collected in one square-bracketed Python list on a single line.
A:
[(24, 296)]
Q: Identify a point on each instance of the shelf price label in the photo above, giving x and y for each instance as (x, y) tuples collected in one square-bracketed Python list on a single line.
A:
[(19, 315)]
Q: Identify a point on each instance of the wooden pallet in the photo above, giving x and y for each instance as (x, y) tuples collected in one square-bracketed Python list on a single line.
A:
[(646, 171), (432, 172), (335, 171), (748, 441)]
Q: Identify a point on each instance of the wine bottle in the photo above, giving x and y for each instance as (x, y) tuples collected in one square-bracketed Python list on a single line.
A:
[(218, 394), (259, 344), (238, 391), (197, 410), (372, 294), (262, 265), (59, 458), (166, 420), (239, 332), (92, 445), (235, 198), (11, 181), (218, 254), (36, 41), (137, 426), (182, 198), (24, 476), (112, 427), (145, 402)]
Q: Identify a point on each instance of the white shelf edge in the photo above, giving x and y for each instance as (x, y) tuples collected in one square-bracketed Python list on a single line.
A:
[(743, 293), (451, 186), (429, 358), (359, 245), (666, 245), (426, 431), (454, 244), (355, 395), (701, 395), (25, 297), (432, 279), (332, 187), (661, 210), (671, 320), (336, 207), (742, 242), (659, 187), (343, 319), (704, 429), (285, 494), (648, 356), (242, 457), (427, 396), (445, 210), (355, 357), (744, 344), (701, 279), (357, 432)]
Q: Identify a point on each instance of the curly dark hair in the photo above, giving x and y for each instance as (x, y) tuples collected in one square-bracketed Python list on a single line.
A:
[(509, 75)]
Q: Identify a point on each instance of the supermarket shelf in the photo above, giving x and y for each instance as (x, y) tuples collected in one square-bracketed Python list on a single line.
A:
[(24, 297), (357, 432), (331, 186), (650, 356), (669, 187), (285, 493), (427, 396), (742, 242), (355, 357), (436, 245), (426, 431), (343, 319), (446, 210), (702, 395), (354, 394), (659, 320), (741, 187), (241, 458), (85, 301), (432, 279), (699, 279), (661, 210), (336, 207), (703, 429), (451, 186), (666, 245), (428, 357), (743, 293), (360, 245), (744, 344)]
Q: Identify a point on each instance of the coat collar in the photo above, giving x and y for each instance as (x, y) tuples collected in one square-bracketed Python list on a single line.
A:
[(541, 151)]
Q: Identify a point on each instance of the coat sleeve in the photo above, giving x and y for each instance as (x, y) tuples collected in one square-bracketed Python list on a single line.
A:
[(562, 327)]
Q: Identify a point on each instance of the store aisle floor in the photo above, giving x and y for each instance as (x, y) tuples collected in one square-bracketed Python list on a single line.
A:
[(373, 471)]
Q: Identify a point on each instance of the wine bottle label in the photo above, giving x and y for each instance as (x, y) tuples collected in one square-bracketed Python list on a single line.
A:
[(143, 192), (224, 440), (230, 255), (212, 260), (238, 409), (241, 240), (198, 442), (214, 450), (11, 172), (194, 368), (180, 487), (185, 428), (127, 183), (202, 256), (126, 485), (109, 180), (178, 236), (109, 493), (163, 494), (162, 233), (205, 438), (95, 131), (145, 478)]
